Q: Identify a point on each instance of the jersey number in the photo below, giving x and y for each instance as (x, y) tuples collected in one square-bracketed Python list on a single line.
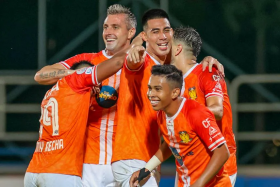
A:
[(51, 119)]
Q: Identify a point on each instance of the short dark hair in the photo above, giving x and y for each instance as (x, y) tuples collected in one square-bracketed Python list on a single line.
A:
[(80, 64), (153, 14), (190, 37), (170, 72)]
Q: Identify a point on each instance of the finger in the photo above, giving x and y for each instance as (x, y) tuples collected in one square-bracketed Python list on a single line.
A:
[(133, 57), (97, 90), (212, 61), (93, 91), (205, 62), (144, 55), (223, 70), (137, 56), (204, 65), (135, 183), (129, 56)]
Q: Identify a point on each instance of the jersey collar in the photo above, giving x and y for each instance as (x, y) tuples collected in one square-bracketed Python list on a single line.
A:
[(177, 113)]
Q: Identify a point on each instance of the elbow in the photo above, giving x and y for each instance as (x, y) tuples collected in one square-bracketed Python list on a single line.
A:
[(37, 77), (219, 114), (227, 153), (120, 62)]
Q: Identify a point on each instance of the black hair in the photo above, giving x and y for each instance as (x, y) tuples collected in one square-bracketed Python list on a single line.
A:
[(190, 37), (80, 64), (170, 72), (153, 14)]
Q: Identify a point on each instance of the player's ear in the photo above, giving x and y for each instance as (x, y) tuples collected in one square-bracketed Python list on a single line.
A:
[(179, 49), (131, 33), (176, 93), (144, 36)]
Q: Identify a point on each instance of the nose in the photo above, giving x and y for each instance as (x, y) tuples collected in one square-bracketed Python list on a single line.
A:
[(107, 31), (162, 36), (150, 93)]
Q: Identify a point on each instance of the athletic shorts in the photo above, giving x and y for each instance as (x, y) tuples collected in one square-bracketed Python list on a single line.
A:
[(51, 180), (95, 175), (123, 170)]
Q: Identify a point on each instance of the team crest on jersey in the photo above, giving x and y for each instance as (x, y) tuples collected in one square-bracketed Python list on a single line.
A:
[(192, 93), (107, 97), (185, 137)]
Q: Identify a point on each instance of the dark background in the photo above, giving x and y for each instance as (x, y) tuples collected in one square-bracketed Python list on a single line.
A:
[(245, 32)]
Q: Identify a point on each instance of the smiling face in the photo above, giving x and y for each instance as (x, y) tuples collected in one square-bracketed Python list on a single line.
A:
[(115, 33), (159, 92), (158, 35)]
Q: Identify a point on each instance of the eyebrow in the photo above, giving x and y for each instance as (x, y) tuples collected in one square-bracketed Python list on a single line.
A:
[(157, 29), (157, 86)]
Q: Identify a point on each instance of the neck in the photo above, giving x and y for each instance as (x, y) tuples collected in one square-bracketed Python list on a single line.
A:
[(113, 52), (186, 63), (174, 106), (160, 59)]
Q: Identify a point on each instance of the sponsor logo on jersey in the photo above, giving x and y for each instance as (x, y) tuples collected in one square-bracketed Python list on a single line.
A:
[(216, 78), (107, 97), (192, 93), (190, 153), (178, 157), (185, 137), (81, 71), (89, 70)]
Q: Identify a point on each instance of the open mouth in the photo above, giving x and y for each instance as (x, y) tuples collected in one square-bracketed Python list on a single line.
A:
[(163, 46), (110, 40), (154, 103)]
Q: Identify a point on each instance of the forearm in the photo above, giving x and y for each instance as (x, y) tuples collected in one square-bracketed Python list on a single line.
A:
[(161, 155), (137, 40), (164, 152), (51, 75), (218, 159)]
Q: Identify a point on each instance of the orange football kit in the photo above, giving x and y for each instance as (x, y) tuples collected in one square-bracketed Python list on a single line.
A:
[(199, 86), (192, 134), (64, 114)]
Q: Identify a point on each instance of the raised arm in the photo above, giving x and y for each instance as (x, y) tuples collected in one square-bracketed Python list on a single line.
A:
[(51, 74), (111, 66), (218, 159), (136, 53)]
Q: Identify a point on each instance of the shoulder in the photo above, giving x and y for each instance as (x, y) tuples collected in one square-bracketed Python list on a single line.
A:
[(193, 108)]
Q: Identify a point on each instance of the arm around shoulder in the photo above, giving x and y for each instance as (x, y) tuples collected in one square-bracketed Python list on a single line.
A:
[(51, 74)]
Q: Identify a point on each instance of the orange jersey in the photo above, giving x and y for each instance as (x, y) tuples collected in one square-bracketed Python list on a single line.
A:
[(199, 86), (64, 114), (101, 121), (137, 132), (192, 134)]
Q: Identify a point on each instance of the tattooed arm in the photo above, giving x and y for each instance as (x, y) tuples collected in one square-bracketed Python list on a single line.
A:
[(51, 74)]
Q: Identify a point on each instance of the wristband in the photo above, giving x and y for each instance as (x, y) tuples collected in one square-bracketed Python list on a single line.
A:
[(143, 174), (153, 163)]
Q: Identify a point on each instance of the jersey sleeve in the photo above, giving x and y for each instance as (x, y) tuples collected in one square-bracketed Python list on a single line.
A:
[(205, 126), (83, 79), (68, 63), (211, 83), (135, 71)]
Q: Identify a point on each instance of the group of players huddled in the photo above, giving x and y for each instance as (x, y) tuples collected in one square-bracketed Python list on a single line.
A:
[(101, 123)]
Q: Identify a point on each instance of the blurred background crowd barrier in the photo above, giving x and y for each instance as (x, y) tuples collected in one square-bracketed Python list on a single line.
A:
[(243, 35)]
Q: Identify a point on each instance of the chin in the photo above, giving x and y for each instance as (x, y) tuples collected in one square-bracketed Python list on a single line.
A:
[(156, 108)]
